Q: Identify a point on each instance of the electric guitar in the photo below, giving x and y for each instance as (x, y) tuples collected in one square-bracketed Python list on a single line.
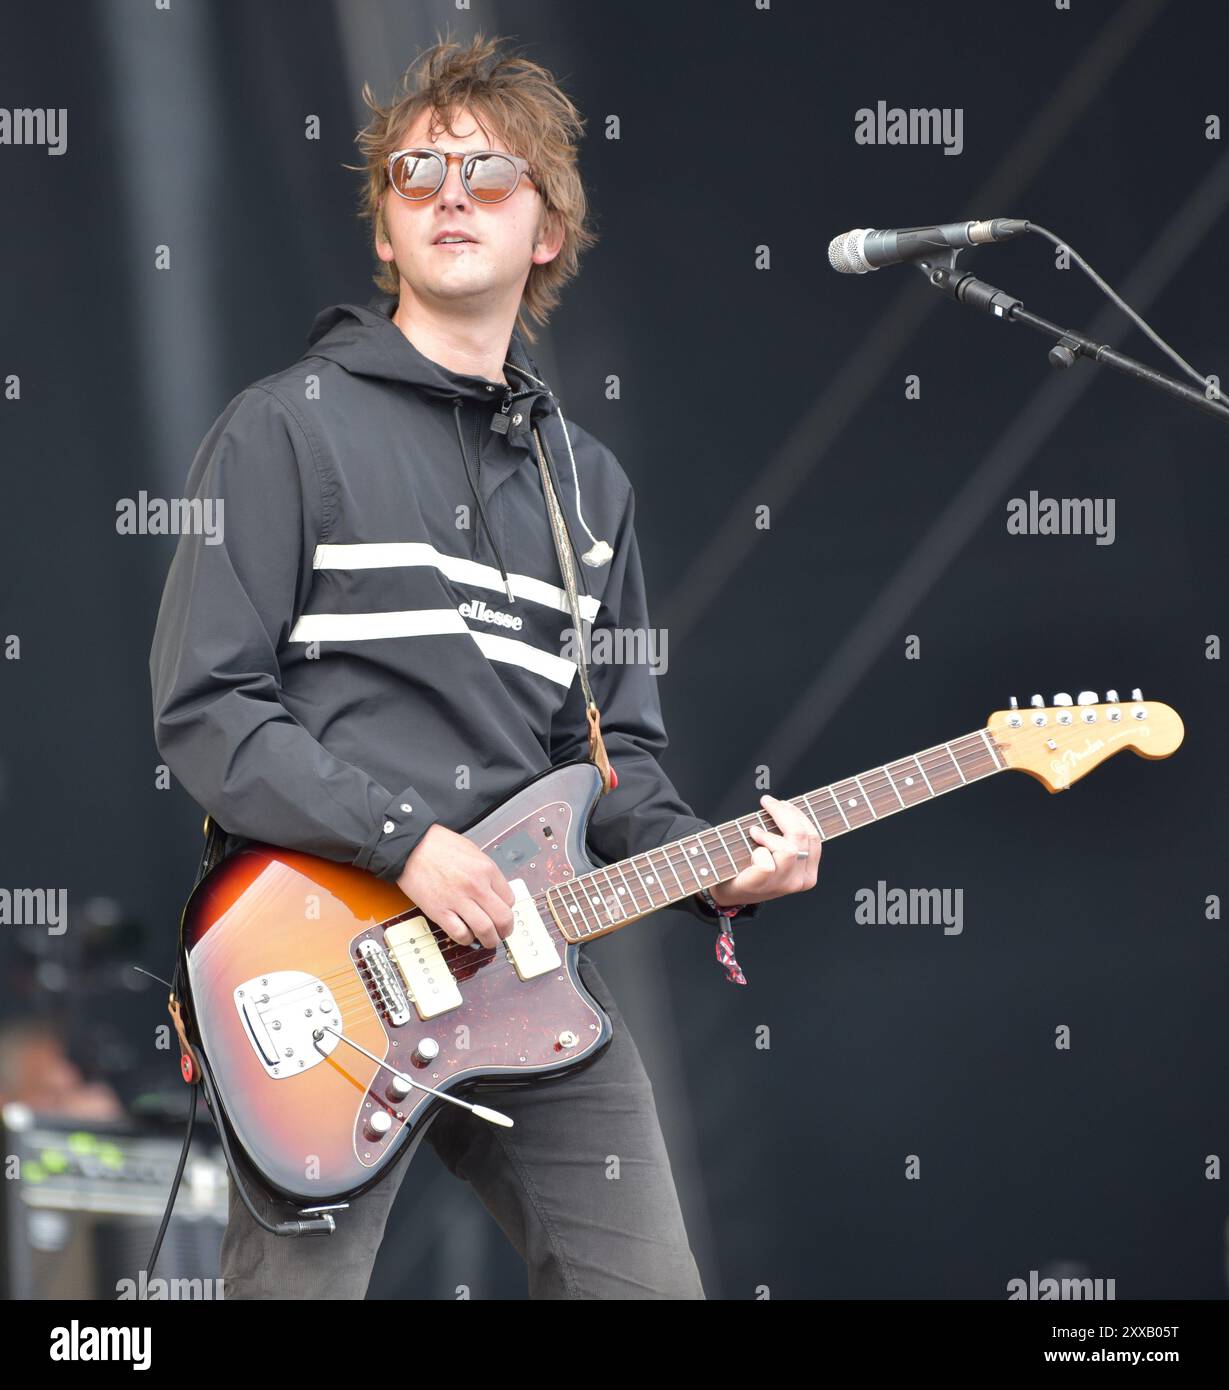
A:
[(334, 1018)]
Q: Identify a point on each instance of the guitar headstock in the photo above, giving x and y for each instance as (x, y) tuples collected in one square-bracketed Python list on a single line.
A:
[(1061, 742)]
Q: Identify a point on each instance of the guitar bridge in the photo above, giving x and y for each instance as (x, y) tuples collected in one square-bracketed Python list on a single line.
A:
[(388, 988), (281, 1013)]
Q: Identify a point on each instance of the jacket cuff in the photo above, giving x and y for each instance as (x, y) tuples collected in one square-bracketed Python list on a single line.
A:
[(403, 822)]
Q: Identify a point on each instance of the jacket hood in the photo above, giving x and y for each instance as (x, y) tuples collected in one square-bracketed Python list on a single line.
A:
[(364, 340)]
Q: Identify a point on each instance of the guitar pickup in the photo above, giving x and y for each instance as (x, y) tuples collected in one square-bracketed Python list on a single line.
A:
[(418, 957), (529, 945)]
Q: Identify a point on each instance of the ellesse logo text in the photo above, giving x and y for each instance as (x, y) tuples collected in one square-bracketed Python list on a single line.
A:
[(478, 609)]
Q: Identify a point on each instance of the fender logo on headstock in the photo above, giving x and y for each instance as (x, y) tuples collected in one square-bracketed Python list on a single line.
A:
[(1073, 757)]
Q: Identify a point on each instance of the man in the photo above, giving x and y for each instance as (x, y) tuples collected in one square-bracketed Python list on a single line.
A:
[(373, 653)]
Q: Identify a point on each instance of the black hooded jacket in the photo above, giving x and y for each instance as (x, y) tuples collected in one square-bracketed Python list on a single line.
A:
[(346, 667)]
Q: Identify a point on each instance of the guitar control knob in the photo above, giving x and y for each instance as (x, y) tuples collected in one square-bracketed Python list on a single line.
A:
[(1037, 702), (1015, 704), (1087, 697), (398, 1089), (1111, 697), (426, 1051), (1062, 698), (1137, 694), (378, 1124)]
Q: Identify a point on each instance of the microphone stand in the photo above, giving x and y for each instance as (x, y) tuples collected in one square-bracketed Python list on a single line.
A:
[(942, 272)]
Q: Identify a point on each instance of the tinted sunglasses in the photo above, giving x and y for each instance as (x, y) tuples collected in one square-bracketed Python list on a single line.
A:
[(489, 176)]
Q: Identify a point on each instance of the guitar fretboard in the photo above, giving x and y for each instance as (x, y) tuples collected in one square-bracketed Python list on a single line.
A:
[(602, 900)]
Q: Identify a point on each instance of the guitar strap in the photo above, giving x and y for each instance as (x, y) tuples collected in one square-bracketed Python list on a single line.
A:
[(597, 747), (563, 548), (189, 1058)]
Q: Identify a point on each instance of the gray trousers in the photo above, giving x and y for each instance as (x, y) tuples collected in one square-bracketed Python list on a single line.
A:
[(581, 1186)]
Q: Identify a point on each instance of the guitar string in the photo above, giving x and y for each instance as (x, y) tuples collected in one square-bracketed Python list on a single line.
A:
[(887, 774), (455, 951), (468, 955), (474, 959), (493, 959), (355, 991), (458, 951)]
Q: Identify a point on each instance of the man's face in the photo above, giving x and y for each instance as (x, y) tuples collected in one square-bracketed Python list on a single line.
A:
[(491, 267)]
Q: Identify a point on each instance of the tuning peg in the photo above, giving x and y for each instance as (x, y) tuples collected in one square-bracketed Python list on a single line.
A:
[(1062, 698), (1037, 702), (1015, 704), (1137, 694), (1086, 697), (1111, 697)]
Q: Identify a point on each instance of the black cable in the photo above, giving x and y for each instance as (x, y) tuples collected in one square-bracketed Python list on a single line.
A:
[(1121, 303), (170, 1201)]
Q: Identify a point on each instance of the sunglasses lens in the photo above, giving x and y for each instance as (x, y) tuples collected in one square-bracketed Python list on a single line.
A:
[(417, 174), (490, 177)]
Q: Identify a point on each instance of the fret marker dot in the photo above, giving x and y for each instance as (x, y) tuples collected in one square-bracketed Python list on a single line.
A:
[(649, 879), (621, 891), (693, 852), (703, 870), (595, 900), (853, 801), (908, 781)]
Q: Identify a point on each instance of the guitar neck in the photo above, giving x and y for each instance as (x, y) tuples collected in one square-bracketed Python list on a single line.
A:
[(606, 899)]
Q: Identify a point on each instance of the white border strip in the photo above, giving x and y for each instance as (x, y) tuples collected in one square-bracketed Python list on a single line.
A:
[(431, 622), (401, 554)]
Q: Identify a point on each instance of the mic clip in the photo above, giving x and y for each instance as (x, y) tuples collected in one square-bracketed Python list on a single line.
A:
[(943, 262)]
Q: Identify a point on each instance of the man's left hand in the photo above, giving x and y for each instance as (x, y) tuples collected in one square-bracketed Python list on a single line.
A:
[(780, 863)]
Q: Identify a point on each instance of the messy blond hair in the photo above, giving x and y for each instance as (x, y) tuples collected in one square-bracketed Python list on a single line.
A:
[(522, 104)]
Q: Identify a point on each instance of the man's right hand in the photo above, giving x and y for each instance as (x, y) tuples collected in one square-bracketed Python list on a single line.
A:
[(459, 887)]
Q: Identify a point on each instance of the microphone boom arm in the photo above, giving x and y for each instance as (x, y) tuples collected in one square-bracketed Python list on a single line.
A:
[(944, 274)]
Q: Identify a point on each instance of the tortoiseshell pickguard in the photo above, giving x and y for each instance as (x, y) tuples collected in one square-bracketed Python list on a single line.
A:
[(310, 1134)]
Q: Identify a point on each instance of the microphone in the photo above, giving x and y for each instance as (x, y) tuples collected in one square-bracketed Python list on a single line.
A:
[(863, 249)]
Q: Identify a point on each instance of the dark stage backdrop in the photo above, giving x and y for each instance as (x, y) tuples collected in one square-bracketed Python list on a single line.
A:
[(883, 1111)]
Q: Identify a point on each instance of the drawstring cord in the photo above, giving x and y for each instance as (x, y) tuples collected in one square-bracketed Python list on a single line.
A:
[(486, 525)]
